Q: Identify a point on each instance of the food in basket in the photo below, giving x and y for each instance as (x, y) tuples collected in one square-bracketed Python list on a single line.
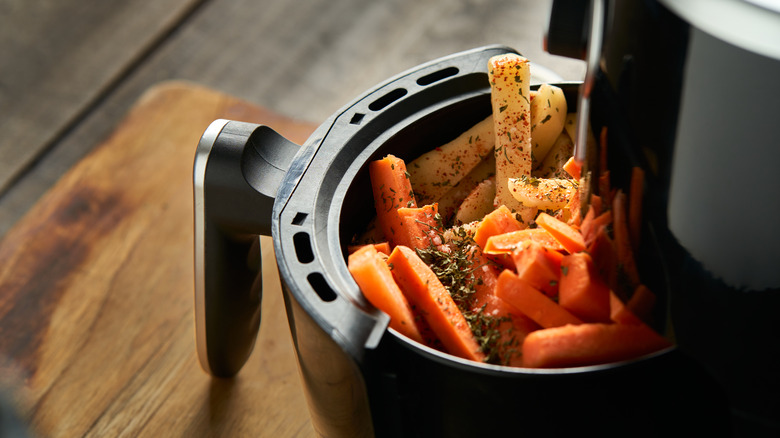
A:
[(517, 271)]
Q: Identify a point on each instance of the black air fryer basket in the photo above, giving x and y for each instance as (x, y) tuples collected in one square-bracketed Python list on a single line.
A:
[(362, 378)]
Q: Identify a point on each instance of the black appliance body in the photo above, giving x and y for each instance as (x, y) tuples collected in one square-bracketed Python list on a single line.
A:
[(671, 86), (362, 378), (685, 89)]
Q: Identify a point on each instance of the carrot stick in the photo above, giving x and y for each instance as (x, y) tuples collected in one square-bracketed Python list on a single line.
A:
[(514, 326), (591, 226), (376, 282), (605, 185), (596, 204), (508, 242), (420, 226), (635, 195), (605, 259), (573, 168), (622, 239), (587, 224), (619, 313), (532, 302), (581, 290), (383, 247), (499, 221), (509, 76), (565, 234), (538, 266), (424, 290), (486, 278), (589, 344), (392, 189), (642, 302)]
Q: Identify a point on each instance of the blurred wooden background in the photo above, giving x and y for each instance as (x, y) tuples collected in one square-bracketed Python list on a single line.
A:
[(95, 185), (69, 70)]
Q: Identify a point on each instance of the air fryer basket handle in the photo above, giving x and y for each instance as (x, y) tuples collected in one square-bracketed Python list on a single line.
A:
[(237, 171)]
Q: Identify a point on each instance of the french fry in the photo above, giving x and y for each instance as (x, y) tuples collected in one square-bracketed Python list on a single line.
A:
[(509, 76), (548, 115), (437, 171)]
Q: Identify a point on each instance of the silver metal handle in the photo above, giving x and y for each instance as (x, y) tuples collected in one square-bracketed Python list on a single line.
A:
[(237, 170)]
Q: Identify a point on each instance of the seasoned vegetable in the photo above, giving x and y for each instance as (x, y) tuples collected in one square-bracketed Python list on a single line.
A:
[(477, 203), (588, 344), (450, 202), (568, 237), (554, 163), (500, 221), (582, 292), (392, 190), (382, 247), (542, 193), (435, 172), (421, 287), (573, 168), (623, 246), (421, 226), (510, 77), (539, 266), (502, 262), (591, 225), (548, 115), (642, 302), (619, 312), (373, 276), (508, 242), (532, 302), (605, 259)]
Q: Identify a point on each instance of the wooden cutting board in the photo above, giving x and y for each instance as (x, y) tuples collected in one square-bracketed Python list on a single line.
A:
[(96, 292)]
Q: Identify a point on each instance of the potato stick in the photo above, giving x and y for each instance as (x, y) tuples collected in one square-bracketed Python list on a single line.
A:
[(509, 76), (558, 155), (449, 202), (478, 203), (543, 193), (548, 115), (435, 172)]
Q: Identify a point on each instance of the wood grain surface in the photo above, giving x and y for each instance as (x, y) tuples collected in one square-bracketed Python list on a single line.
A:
[(60, 58), (96, 292)]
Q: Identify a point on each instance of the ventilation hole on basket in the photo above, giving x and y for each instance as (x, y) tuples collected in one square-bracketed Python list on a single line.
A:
[(357, 118), (437, 76), (299, 218), (303, 247), (321, 287), (387, 99)]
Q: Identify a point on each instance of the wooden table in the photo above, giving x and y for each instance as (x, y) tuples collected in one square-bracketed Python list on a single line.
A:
[(101, 106)]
